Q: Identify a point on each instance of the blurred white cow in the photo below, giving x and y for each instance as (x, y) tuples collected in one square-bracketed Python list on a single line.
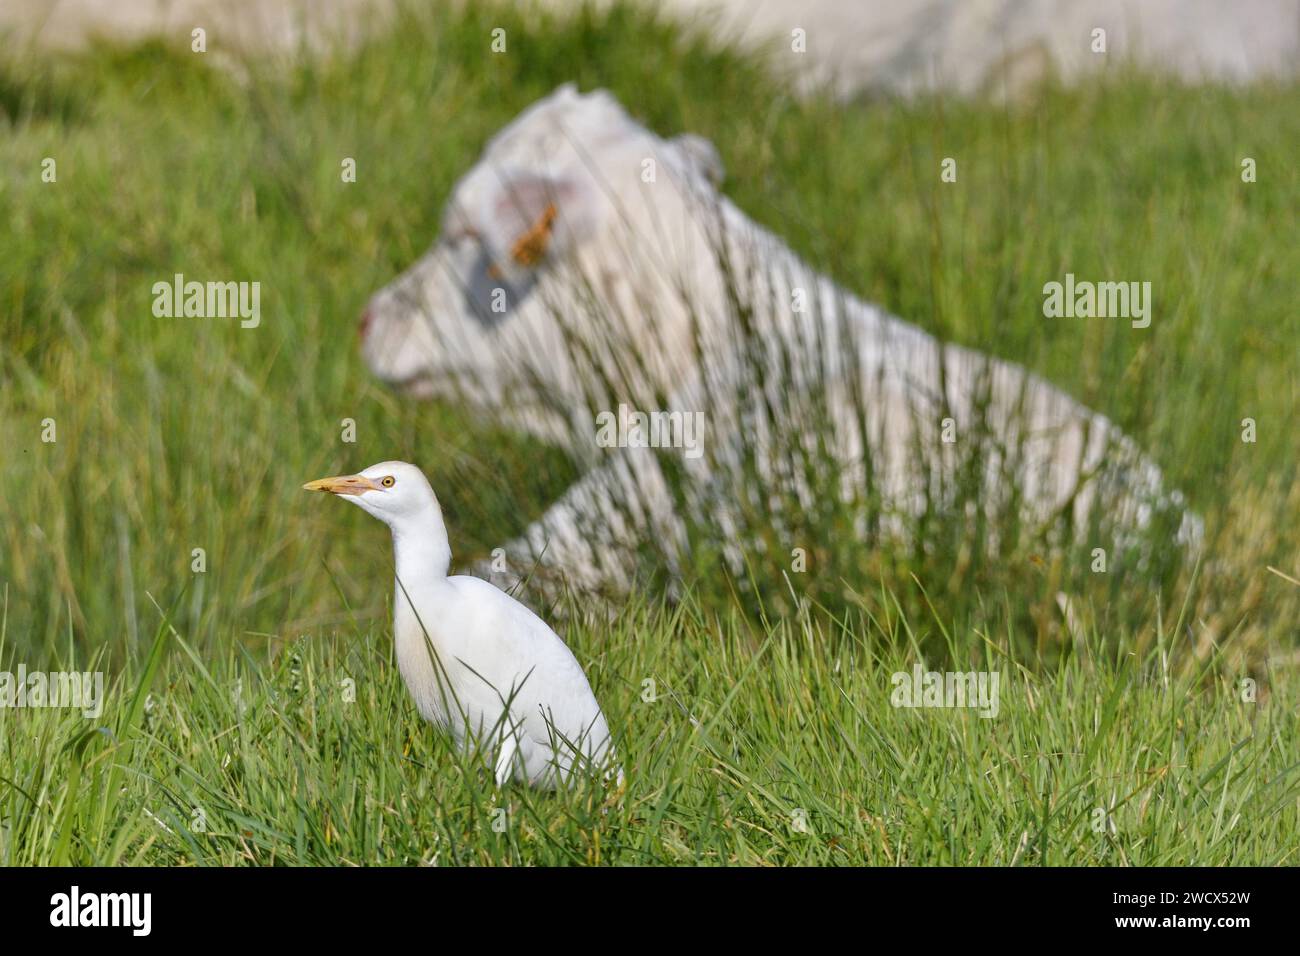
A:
[(587, 264)]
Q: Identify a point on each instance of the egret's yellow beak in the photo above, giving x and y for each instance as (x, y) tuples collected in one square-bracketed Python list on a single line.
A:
[(342, 485)]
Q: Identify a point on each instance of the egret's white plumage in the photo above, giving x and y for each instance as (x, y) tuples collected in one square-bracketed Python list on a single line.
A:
[(477, 662)]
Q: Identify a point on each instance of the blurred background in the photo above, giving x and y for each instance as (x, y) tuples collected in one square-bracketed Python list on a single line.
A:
[(183, 434), (905, 46)]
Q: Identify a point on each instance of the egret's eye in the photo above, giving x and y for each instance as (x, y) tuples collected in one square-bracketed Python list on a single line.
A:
[(388, 481)]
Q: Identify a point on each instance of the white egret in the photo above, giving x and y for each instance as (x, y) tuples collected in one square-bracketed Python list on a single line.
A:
[(478, 663)]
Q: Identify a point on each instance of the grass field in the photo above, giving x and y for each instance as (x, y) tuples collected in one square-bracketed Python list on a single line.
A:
[(779, 747), (228, 736)]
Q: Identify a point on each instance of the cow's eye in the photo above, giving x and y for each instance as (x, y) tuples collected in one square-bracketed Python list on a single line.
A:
[(462, 236)]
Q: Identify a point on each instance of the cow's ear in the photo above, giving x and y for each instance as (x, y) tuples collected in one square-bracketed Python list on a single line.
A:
[(534, 218), (701, 156)]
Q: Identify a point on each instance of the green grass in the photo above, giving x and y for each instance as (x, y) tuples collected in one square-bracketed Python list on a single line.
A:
[(179, 434), (773, 748)]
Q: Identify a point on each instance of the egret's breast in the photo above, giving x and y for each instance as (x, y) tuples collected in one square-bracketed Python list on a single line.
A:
[(416, 662)]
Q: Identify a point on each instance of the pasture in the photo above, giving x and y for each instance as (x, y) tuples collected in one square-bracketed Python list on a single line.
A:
[(253, 710)]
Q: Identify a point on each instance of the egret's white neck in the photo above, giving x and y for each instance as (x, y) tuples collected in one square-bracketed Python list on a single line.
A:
[(420, 547)]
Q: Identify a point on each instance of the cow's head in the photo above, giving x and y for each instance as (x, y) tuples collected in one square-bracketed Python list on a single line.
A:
[(571, 210)]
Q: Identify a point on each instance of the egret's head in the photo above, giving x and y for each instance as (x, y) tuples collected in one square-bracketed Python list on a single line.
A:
[(392, 491)]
